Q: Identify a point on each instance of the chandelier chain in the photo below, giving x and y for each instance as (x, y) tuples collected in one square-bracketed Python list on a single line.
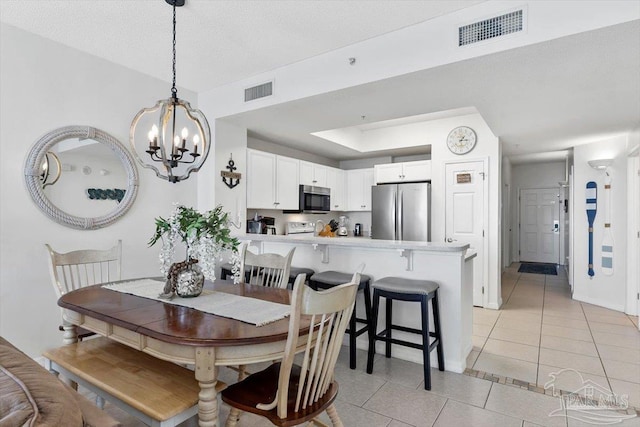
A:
[(174, 91)]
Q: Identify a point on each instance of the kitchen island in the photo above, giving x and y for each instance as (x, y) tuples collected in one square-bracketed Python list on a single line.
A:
[(450, 265)]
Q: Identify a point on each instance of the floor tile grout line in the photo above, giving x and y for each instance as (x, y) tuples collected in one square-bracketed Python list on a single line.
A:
[(544, 292), (440, 412), (597, 350)]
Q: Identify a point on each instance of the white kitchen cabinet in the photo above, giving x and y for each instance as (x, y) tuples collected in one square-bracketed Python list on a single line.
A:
[(313, 174), (336, 183), (287, 187), (271, 181), (359, 182), (403, 172)]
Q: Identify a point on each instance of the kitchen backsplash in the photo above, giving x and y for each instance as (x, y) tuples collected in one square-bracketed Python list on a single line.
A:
[(281, 219)]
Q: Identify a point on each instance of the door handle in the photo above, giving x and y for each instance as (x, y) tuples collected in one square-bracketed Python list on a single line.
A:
[(449, 240)]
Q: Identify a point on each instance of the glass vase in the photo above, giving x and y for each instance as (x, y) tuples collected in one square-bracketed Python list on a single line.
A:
[(189, 281)]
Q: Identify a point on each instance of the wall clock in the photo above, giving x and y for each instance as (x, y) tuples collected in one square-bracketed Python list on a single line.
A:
[(461, 140)]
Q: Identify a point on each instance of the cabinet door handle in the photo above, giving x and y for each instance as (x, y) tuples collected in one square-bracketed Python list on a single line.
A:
[(314, 181)]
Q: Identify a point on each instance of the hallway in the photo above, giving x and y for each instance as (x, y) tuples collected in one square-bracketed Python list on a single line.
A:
[(540, 330)]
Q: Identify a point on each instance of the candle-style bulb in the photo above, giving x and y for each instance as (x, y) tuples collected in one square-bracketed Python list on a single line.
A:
[(196, 140), (154, 131), (185, 133), (176, 140)]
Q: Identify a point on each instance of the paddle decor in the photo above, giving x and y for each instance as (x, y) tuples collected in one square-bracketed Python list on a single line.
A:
[(607, 239), (592, 193)]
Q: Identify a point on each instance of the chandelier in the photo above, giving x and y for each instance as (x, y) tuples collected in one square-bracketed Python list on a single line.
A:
[(171, 138)]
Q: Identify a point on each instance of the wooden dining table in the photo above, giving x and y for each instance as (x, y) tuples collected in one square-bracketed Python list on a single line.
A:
[(181, 334)]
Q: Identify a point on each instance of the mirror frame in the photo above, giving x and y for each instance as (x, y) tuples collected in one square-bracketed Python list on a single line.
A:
[(34, 186)]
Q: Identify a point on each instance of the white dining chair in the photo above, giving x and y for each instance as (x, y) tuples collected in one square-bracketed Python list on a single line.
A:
[(288, 394), (85, 267), (268, 269)]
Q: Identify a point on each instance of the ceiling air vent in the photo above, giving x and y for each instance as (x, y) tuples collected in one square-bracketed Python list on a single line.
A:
[(257, 92), (490, 28)]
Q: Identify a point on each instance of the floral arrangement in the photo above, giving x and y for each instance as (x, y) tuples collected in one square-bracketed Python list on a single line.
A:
[(205, 235)]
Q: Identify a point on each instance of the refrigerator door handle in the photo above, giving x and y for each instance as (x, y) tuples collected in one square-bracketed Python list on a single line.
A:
[(395, 214), (400, 218)]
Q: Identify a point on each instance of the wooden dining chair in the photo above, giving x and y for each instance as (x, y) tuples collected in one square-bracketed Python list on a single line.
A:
[(270, 270), (289, 394), (76, 269)]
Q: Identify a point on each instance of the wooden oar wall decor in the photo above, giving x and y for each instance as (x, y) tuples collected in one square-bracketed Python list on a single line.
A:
[(592, 194), (607, 239)]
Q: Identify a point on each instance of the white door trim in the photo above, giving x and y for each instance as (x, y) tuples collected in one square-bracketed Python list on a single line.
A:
[(633, 243), (485, 224)]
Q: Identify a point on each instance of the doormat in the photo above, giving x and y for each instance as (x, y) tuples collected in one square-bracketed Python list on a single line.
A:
[(538, 268)]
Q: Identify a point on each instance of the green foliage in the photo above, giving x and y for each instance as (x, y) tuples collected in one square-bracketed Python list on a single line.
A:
[(190, 222)]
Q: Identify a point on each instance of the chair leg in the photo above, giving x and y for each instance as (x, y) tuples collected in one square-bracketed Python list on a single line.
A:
[(367, 306), (389, 314), (352, 339), (333, 416), (233, 417), (373, 329), (436, 328), (426, 354), (242, 372), (100, 402)]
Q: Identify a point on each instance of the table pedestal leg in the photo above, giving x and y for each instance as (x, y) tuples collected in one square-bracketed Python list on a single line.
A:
[(70, 334), (206, 374)]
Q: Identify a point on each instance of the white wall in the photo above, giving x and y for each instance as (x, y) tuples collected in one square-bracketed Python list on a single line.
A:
[(531, 175), (281, 150), (505, 208), (633, 221), (606, 291), (44, 86)]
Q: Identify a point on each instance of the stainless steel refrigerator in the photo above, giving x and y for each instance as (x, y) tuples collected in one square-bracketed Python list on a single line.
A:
[(401, 212)]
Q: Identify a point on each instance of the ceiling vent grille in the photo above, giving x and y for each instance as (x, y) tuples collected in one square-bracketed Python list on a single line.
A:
[(490, 28), (257, 92)]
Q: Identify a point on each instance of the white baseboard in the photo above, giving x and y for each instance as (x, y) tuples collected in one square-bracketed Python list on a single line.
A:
[(494, 306), (582, 298), (40, 361)]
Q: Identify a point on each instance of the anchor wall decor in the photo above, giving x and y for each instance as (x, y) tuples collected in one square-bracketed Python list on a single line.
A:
[(231, 175)]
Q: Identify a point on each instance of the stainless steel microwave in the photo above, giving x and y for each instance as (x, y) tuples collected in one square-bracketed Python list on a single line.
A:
[(315, 199)]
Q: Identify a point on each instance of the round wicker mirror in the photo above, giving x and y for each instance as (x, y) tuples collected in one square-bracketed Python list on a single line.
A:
[(83, 135)]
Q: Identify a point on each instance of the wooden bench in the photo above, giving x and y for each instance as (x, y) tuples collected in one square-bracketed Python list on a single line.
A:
[(157, 392)]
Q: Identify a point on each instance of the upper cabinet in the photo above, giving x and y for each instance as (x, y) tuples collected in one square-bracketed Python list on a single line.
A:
[(359, 182), (336, 183), (313, 174), (403, 172), (272, 181)]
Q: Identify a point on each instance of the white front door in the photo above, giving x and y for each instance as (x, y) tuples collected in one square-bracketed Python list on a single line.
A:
[(539, 225), (465, 215)]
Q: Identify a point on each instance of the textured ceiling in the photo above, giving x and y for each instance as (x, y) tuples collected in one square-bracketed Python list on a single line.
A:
[(217, 41), (536, 99), (540, 98)]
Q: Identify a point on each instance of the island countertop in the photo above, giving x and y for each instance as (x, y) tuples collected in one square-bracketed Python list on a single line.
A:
[(450, 265), (361, 242)]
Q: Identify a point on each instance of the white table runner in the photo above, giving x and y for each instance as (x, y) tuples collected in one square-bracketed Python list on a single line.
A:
[(250, 310)]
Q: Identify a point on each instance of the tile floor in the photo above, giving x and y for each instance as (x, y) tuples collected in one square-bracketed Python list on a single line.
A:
[(540, 330)]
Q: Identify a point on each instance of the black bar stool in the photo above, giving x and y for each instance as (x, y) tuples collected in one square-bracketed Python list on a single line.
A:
[(294, 271), (397, 288), (329, 279), (225, 270)]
